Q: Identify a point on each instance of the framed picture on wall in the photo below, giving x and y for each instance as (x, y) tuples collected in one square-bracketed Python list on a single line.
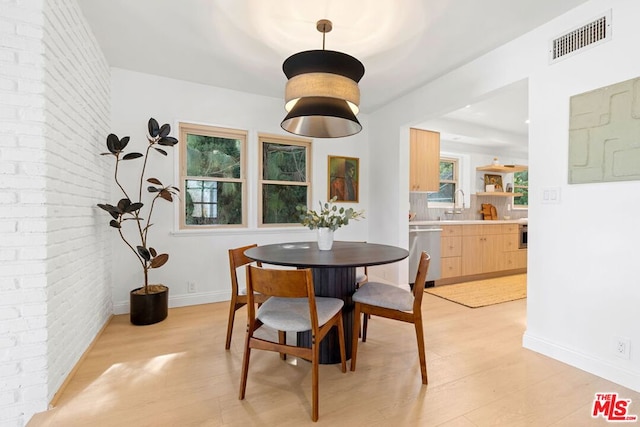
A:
[(495, 180), (343, 178)]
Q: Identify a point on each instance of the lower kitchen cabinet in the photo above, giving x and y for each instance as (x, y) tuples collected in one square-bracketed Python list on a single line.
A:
[(451, 251), (482, 249)]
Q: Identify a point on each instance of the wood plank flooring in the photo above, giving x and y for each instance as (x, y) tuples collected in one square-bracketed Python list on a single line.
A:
[(177, 373)]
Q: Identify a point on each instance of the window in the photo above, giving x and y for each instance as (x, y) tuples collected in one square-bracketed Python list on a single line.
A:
[(212, 176), (521, 185), (448, 183), (285, 165)]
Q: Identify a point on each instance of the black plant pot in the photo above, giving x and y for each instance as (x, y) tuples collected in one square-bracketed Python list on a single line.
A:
[(147, 309)]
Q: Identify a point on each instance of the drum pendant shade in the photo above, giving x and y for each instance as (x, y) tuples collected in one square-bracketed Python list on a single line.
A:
[(322, 96)]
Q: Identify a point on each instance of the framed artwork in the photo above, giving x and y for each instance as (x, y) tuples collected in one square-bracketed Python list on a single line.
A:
[(343, 177), (495, 180)]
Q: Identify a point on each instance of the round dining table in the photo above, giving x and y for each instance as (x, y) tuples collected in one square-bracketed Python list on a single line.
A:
[(334, 275)]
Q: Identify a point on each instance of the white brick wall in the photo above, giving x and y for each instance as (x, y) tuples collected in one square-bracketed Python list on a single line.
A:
[(54, 245)]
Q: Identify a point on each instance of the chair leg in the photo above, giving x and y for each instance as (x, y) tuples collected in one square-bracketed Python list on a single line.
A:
[(314, 379), (354, 339), (233, 306), (421, 350), (282, 339), (365, 325), (245, 363), (343, 355)]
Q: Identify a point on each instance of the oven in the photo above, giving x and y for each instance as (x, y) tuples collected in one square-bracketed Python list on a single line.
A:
[(522, 244)]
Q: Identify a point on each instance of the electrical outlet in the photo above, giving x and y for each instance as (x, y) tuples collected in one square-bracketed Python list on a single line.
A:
[(191, 287), (622, 347)]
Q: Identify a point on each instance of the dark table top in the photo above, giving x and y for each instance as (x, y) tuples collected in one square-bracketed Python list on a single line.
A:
[(342, 254)]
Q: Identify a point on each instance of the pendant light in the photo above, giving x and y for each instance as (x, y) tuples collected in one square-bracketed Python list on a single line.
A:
[(322, 96)]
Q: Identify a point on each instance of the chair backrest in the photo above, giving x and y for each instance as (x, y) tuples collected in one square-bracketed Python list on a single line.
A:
[(284, 284), (418, 285), (237, 259)]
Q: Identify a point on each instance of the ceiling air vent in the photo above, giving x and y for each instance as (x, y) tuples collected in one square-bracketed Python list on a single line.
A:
[(588, 35)]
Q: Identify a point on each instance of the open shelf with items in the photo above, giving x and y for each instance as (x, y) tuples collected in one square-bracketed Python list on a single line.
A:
[(498, 194), (502, 168)]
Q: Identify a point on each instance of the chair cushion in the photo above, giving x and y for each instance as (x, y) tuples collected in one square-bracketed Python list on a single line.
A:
[(292, 314), (383, 295)]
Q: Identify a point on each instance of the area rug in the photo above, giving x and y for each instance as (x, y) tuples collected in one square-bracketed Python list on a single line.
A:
[(481, 293)]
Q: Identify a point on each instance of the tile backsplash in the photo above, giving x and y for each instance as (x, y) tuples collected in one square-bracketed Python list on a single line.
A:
[(424, 212)]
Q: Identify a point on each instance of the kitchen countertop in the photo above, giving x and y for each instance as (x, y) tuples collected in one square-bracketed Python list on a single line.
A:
[(469, 222)]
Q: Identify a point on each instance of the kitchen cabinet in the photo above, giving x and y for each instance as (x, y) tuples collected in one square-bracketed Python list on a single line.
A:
[(512, 256), (451, 251), (481, 249), (424, 160), (476, 251)]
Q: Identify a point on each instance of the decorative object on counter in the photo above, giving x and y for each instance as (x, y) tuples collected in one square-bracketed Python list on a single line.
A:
[(327, 220), (495, 180), (489, 212), (343, 178), (509, 188), (149, 303), (489, 188)]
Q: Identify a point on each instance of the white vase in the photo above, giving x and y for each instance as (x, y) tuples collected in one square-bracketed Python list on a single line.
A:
[(325, 238)]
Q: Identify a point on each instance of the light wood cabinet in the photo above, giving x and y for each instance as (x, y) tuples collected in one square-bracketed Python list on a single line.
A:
[(512, 256), (451, 251), (480, 249), (424, 160)]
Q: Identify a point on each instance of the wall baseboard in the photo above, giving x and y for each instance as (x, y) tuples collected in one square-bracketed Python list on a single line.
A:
[(182, 300), (602, 368), (75, 368)]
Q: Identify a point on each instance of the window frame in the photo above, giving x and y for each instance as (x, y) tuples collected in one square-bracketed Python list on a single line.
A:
[(526, 187), (283, 140), (455, 181), (186, 128)]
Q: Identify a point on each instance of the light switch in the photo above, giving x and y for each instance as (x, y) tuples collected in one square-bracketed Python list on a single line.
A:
[(551, 195)]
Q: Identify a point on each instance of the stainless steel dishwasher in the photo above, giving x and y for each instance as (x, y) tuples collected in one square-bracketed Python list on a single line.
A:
[(424, 238)]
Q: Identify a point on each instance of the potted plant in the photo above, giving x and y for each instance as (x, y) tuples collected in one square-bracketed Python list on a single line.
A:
[(327, 220), (149, 303)]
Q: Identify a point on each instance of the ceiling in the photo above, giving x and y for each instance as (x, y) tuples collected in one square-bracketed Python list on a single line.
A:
[(241, 44)]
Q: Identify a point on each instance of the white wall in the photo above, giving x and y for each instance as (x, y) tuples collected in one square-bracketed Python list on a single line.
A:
[(582, 269), (584, 291), (55, 274), (201, 257)]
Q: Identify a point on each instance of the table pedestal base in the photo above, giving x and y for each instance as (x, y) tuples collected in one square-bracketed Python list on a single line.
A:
[(336, 282)]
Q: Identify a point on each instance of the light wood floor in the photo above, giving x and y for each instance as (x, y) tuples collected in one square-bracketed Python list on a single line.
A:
[(177, 373)]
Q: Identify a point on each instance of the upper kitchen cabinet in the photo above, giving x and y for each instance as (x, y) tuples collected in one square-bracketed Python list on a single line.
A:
[(424, 163)]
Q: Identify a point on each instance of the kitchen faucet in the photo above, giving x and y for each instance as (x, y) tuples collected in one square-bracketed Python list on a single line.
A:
[(454, 197), (455, 211)]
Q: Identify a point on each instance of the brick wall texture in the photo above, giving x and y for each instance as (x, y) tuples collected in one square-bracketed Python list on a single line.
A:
[(55, 277)]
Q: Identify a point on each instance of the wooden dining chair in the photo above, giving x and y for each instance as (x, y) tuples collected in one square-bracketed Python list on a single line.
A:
[(238, 259), (292, 306), (392, 302)]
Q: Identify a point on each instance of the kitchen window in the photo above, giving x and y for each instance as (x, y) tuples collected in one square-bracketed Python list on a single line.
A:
[(521, 186), (448, 184), (284, 181), (212, 176)]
